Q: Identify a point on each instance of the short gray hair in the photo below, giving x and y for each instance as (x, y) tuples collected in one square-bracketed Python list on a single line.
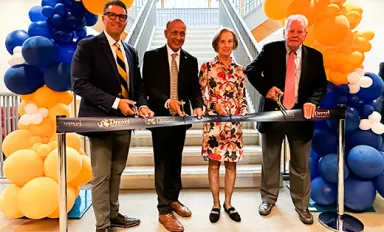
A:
[(296, 17), (217, 37)]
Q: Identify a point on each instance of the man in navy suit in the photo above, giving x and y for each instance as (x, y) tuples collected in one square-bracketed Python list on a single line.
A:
[(106, 74), (297, 70), (171, 77)]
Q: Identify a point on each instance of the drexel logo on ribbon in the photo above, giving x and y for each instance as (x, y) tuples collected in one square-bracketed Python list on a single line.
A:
[(158, 121), (107, 123)]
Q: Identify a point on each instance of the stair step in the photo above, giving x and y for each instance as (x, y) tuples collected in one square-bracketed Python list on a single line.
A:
[(187, 37), (191, 176), (143, 156), (143, 138), (161, 42), (192, 32)]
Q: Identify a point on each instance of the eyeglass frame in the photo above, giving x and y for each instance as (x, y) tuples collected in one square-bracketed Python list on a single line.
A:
[(112, 16)]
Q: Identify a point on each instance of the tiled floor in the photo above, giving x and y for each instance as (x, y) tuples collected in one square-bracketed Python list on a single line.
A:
[(142, 204)]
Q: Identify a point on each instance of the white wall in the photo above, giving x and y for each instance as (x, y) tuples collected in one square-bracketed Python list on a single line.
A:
[(373, 18)]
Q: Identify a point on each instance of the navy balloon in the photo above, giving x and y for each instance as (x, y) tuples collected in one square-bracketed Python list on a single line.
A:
[(61, 10), (35, 14), (359, 195), (328, 168), (366, 110), (39, 51), (360, 137), (65, 52), (23, 79), (82, 33), (51, 3), (58, 77), (365, 162), (14, 39), (56, 21), (324, 142), (48, 11), (343, 89), (62, 36), (379, 184), (374, 91), (353, 100), (313, 161), (40, 28), (78, 9), (90, 19), (323, 192)]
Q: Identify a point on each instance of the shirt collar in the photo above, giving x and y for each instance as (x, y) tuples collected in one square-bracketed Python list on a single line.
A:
[(170, 51), (298, 51), (112, 41), (216, 60)]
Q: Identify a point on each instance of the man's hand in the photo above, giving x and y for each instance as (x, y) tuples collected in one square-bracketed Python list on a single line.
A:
[(127, 107), (219, 108), (198, 112), (144, 111), (309, 110), (174, 106), (274, 93)]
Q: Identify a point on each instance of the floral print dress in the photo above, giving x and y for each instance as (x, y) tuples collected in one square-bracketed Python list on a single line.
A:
[(223, 141)]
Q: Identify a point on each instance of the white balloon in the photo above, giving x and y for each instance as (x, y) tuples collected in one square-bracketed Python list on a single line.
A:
[(375, 117), (36, 118), (16, 59), (43, 112), (353, 88), (365, 82), (17, 50), (31, 108), (353, 78), (378, 128), (365, 124), (25, 120), (360, 71)]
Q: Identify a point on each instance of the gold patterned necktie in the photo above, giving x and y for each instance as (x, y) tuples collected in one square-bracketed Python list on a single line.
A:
[(174, 77), (123, 75)]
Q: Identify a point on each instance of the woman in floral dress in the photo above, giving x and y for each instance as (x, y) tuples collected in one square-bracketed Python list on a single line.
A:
[(223, 87)]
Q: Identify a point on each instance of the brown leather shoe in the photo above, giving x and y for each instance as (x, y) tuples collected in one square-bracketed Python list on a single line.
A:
[(305, 216), (181, 209), (170, 223), (265, 208)]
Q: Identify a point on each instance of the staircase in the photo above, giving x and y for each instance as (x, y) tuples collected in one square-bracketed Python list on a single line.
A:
[(139, 172)]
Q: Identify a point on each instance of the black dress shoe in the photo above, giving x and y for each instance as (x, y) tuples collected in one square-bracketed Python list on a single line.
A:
[(106, 229), (124, 221), (305, 216), (265, 208), (233, 214), (214, 216)]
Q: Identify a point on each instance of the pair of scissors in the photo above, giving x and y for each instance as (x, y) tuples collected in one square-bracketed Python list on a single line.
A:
[(281, 106)]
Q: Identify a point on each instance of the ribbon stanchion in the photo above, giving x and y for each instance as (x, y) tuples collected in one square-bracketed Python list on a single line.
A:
[(94, 124), (338, 221)]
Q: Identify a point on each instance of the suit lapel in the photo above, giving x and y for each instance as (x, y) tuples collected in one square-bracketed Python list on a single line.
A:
[(108, 53), (130, 68), (304, 66), (183, 61)]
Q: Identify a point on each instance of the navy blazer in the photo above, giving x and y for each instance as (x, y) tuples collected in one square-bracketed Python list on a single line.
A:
[(269, 70), (95, 77), (156, 76)]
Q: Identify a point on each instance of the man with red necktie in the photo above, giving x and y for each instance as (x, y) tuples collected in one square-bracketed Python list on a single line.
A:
[(296, 72)]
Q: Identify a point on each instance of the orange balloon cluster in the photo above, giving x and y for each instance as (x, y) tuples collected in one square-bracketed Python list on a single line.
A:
[(32, 160), (96, 6), (331, 25)]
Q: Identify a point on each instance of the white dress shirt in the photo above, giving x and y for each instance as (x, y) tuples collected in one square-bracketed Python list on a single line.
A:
[(298, 58), (177, 58), (111, 42)]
